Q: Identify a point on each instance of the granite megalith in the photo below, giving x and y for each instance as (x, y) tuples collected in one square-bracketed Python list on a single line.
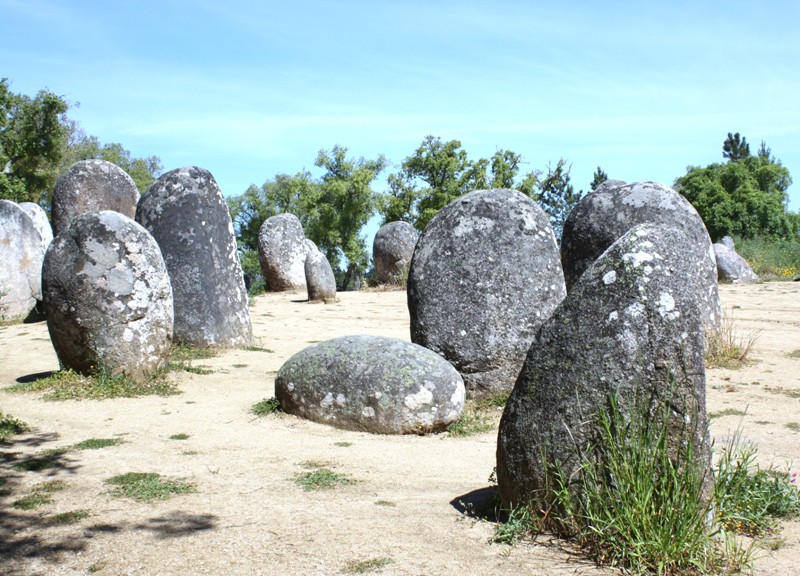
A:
[(107, 297), (484, 276), (90, 185), (282, 252), (372, 384), (320, 281), (604, 215), (21, 257), (392, 250), (185, 212), (632, 327), (731, 267), (39, 217)]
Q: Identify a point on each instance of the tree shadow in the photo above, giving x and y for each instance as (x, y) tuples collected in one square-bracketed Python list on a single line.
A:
[(178, 524)]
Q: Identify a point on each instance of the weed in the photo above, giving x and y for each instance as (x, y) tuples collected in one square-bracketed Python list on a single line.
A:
[(726, 412), (771, 259), (257, 348), (97, 443), (71, 517), (32, 501), (42, 461), (387, 503), (794, 354), (470, 423), (239, 365), (147, 486), (266, 406), (69, 385), (97, 567), (370, 565), (179, 437), (725, 348), (322, 479), (748, 498), (10, 426), (793, 426), (343, 444), (498, 400), (519, 523), (50, 486)]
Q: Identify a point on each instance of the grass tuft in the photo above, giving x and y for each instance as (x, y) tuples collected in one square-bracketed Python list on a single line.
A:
[(71, 517), (471, 422), (179, 437), (70, 385), (10, 426), (97, 443), (726, 348), (147, 486), (322, 479), (266, 407), (366, 566), (32, 501)]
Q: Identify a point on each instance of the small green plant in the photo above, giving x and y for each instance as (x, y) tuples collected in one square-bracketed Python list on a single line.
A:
[(322, 479), (793, 426), (179, 437), (386, 503), (50, 486), (794, 354), (97, 443), (750, 499), (42, 461), (71, 517), (518, 523), (343, 444), (366, 566), (726, 348), (470, 423), (726, 412), (32, 501), (495, 401), (147, 486), (266, 406), (257, 348), (10, 426)]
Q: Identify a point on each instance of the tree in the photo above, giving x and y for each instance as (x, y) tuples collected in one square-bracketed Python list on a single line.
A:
[(598, 178), (32, 141), (735, 148), (435, 175), (746, 197), (556, 195), (340, 207)]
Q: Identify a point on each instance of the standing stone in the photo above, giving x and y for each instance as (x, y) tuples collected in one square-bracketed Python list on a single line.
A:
[(392, 250), (20, 263), (282, 252), (319, 277), (727, 241), (107, 297), (373, 384), (39, 218), (92, 185), (606, 214), (731, 267), (484, 276), (185, 212), (632, 326)]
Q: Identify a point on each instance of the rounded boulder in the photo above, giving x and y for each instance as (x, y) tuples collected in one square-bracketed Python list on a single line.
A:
[(282, 252), (90, 185), (484, 276), (107, 296), (21, 257), (320, 280), (372, 384), (392, 250)]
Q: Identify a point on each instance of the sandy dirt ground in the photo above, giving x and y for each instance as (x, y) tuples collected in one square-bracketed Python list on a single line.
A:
[(249, 516)]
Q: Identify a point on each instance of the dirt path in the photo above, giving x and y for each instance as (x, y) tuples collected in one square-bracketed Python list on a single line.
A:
[(249, 516)]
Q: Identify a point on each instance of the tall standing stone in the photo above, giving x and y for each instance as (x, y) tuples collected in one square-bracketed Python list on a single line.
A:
[(603, 216), (107, 297), (392, 250), (320, 280), (484, 276), (20, 263), (185, 212), (92, 185), (633, 327), (39, 218), (282, 252)]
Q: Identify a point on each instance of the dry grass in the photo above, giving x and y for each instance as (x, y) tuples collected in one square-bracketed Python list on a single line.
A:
[(727, 347)]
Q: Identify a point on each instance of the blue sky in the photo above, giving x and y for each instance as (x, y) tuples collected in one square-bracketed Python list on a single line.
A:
[(253, 89)]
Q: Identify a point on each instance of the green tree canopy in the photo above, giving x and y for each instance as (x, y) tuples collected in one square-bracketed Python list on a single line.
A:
[(745, 197), (735, 147), (33, 138)]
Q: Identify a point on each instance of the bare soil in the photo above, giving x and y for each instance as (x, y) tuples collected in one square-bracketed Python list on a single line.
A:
[(406, 509)]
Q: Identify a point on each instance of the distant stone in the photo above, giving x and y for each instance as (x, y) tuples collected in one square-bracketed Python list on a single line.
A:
[(39, 217), (320, 280), (603, 216), (731, 267), (485, 275), (631, 327), (92, 185), (727, 241), (185, 212), (392, 250), (107, 297), (20, 263), (282, 252), (373, 384)]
